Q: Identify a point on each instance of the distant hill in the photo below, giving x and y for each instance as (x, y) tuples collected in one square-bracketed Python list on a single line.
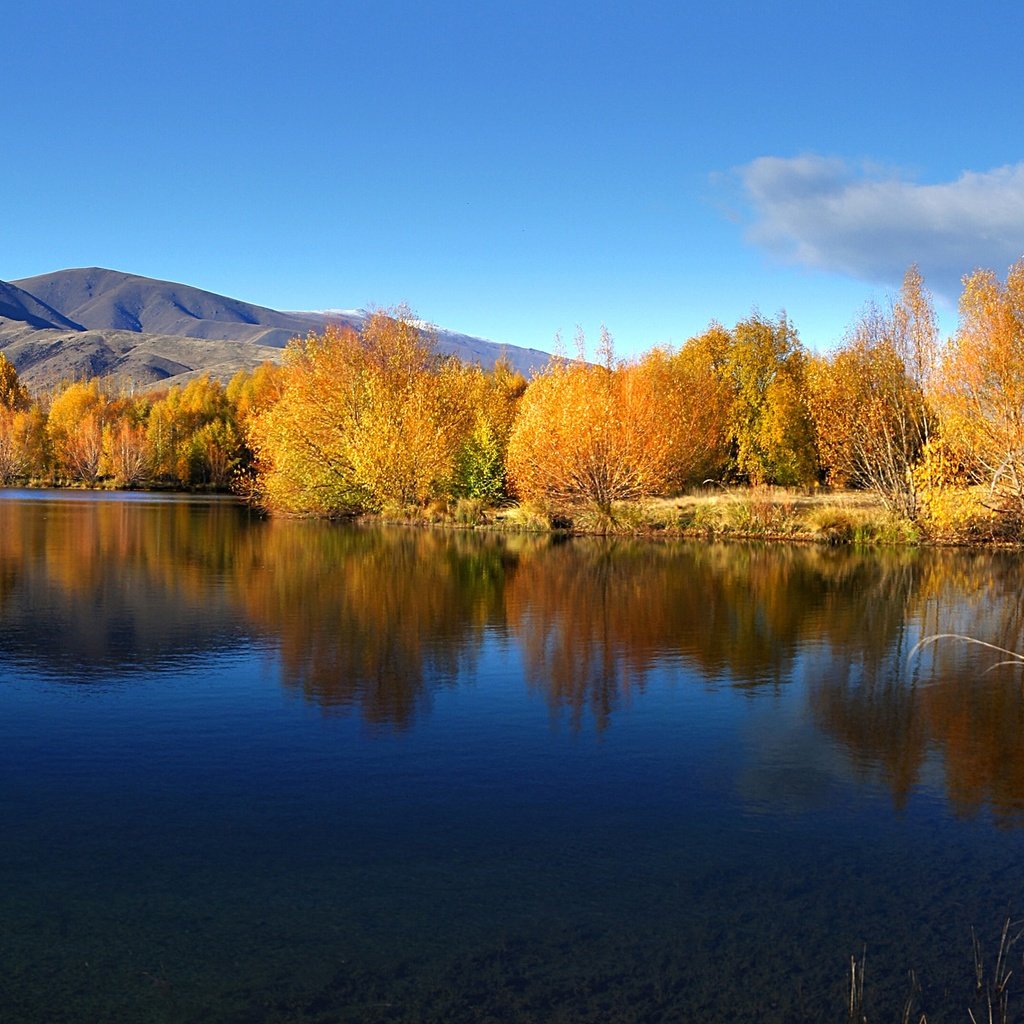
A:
[(91, 322)]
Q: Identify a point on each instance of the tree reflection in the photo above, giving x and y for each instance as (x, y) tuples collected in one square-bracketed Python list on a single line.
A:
[(372, 622), (890, 705), (371, 619), (90, 586)]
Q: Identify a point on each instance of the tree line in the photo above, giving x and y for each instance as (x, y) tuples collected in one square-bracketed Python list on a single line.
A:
[(93, 432), (376, 421)]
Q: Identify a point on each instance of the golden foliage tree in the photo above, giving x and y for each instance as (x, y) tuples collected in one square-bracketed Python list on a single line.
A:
[(588, 436), (871, 416), (22, 451), (22, 443), (493, 400), (697, 401), (981, 385), (363, 420), (13, 394), (75, 422), (192, 435)]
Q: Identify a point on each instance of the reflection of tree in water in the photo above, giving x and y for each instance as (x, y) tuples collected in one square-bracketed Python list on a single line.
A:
[(372, 619), (587, 630), (753, 609), (889, 709), (594, 617), (119, 583)]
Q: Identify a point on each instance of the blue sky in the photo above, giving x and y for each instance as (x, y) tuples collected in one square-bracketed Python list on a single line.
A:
[(512, 169)]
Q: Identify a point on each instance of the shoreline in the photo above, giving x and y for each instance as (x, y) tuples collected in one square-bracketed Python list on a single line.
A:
[(763, 514)]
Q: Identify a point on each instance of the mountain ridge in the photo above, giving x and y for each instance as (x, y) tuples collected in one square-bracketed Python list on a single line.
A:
[(91, 321)]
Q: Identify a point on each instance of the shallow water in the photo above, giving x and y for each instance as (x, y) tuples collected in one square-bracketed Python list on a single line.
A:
[(274, 771)]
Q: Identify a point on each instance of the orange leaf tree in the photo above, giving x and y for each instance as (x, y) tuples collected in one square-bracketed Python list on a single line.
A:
[(13, 394), (588, 436), (981, 385), (868, 399)]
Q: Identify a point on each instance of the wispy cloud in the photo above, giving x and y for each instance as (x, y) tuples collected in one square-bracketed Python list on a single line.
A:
[(871, 222)]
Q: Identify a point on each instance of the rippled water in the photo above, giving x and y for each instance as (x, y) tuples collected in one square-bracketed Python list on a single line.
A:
[(280, 771)]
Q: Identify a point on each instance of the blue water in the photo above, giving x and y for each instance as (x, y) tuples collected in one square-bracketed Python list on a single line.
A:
[(256, 771)]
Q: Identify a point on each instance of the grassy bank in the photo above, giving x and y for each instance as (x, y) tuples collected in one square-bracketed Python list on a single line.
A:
[(747, 513)]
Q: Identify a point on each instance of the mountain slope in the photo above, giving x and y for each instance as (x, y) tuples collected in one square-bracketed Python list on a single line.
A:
[(19, 307), (91, 321), (46, 357), (99, 299)]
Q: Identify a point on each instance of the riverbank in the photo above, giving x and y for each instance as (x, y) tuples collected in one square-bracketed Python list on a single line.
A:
[(952, 518)]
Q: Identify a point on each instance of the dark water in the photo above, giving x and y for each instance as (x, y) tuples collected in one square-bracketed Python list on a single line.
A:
[(257, 771)]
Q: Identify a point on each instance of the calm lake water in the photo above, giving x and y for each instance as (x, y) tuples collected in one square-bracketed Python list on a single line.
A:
[(276, 771)]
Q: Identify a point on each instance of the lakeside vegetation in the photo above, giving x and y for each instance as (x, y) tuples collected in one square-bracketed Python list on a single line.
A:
[(754, 431)]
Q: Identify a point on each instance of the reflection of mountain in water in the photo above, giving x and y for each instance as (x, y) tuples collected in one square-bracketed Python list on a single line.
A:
[(374, 621)]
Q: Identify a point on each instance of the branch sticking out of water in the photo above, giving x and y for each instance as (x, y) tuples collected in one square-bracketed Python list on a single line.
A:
[(1012, 657)]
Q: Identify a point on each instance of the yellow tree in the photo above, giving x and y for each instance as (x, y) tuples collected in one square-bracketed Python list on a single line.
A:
[(251, 393), (363, 420), (77, 416), (192, 435), (22, 443), (13, 394), (697, 404), (772, 432), (868, 403), (588, 436), (981, 387), (125, 452), (493, 399), (125, 449)]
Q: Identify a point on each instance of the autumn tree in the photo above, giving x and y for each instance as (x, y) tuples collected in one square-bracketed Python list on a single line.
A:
[(192, 435), (772, 433), (590, 435), (13, 394), (981, 384), (363, 421), (250, 393), (126, 457), (868, 399), (493, 399), (75, 422), (698, 399), (22, 443)]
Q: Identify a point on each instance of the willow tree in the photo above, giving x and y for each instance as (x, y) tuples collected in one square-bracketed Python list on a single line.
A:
[(590, 435), (18, 428), (23, 448), (869, 398), (696, 398), (364, 420), (492, 399), (981, 385), (74, 425)]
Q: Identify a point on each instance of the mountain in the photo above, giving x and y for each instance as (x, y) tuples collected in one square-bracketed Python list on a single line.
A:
[(91, 322), (19, 307), (101, 299)]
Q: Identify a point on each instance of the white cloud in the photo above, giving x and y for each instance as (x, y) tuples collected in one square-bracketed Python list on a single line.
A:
[(872, 223)]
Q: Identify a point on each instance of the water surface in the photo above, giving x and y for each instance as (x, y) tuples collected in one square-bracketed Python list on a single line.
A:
[(277, 771)]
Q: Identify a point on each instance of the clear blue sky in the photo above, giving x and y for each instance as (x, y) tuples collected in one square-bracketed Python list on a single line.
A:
[(511, 169)]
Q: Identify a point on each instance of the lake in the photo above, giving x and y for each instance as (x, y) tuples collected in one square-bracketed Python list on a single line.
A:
[(284, 771)]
